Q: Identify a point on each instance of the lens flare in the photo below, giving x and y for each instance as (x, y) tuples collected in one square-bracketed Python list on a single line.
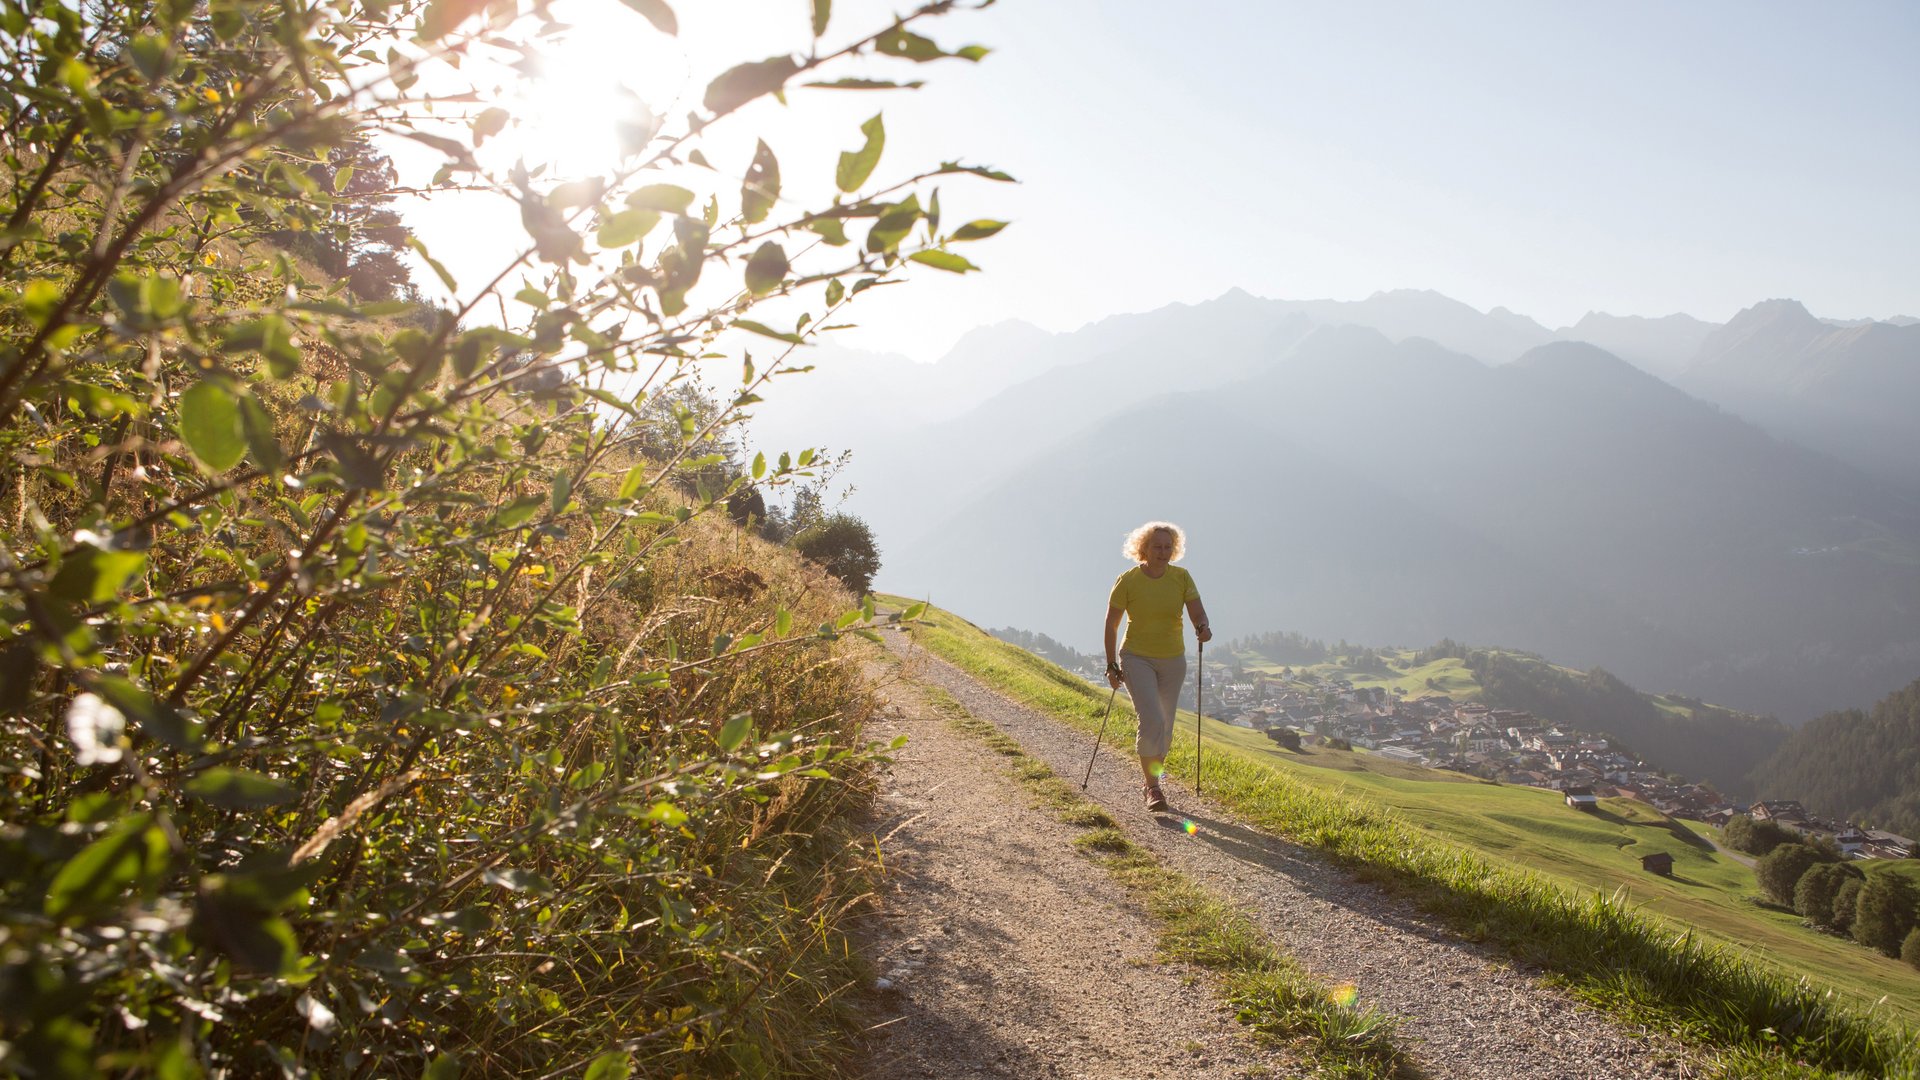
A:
[(1192, 827), (1344, 995)]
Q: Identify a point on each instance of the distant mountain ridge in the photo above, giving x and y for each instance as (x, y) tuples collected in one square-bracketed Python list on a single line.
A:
[(1361, 484), (1846, 390)]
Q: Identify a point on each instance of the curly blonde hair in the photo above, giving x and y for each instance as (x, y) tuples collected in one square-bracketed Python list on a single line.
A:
[(1135, 545)]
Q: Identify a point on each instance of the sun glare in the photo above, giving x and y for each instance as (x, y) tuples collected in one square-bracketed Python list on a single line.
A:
[(588, 91)]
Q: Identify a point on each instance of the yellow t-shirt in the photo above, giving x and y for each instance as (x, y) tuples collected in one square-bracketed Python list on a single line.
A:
[(1153, 607)]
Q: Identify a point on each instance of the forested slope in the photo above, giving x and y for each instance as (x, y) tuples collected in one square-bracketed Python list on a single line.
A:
[(1860, 765)]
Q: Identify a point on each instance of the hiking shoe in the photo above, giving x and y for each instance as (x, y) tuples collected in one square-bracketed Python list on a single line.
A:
[(1156, 802)]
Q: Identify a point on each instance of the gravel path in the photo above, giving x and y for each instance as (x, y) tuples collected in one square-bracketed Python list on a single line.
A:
[(1464, 1011), (1004, 953)]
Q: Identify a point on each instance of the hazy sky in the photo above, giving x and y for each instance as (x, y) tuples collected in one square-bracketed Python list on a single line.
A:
[(1632, 158)]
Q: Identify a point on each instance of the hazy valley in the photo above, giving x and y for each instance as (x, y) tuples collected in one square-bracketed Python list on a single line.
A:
[(1406, 468)]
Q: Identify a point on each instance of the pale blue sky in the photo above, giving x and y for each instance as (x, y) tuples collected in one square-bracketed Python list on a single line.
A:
[(1551, 158)]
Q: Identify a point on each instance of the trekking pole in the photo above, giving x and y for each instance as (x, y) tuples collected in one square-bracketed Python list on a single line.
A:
[(1098, 739), (1199, 702)]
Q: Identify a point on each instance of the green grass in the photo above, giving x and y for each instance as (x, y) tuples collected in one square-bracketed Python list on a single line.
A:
[(1553, 887), (1269, 992), (1449, 674)]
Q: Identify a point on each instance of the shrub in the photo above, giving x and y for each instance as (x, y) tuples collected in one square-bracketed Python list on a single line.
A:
[(1745, 834), (844, 545), (385, 691), (1910, 949), (1884, 914), (1813, 895), (1779, 870), (1845, 902)]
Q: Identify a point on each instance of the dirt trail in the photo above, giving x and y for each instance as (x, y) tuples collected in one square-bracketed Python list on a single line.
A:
[(1003, 952), (993, 872)]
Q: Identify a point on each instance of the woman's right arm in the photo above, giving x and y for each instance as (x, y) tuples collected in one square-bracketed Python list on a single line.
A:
[(1113, 658)]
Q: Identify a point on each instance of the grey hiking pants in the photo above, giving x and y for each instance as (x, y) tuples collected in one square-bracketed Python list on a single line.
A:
[(1153, 682)]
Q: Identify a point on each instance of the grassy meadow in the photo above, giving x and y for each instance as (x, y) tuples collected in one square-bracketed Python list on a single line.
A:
[(1550, 885)]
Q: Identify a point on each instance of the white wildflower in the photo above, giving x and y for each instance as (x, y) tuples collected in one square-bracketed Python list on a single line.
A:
[(96, 729)]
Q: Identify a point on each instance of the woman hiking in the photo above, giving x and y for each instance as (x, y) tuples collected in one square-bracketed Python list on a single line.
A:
[(1153, 660)]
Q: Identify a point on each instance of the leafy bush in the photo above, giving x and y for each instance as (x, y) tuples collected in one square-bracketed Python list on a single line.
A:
[(1910, 949), (1779, 870), (1885, 912), (379, 692), (1756, 837), (1814, 894), (845, 546), (1846, 901)]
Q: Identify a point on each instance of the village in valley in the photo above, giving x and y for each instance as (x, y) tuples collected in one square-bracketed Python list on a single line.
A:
[(1508, 746)]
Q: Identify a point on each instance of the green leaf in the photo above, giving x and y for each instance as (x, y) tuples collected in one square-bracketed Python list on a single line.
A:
[(943, 260), (894, 225), (907, 45), (133, 855), (626, 227), (489, 123), (978, 230), (518, 512), (782, 622), (92, 575), (657, 13), (210, 425), (518, 881), (832, 230), (913, 612), (270, 336), (149, 53), (238, 789), (666, 813), (614, 1064), (766, 269), (767, 331), (822, 9), (865, 84), (257, 427), (342, 178), (975, 170), (159, 719), (759, 465), (743, 82), (856, 165), (634, 482), (666, 198), (734, 732), (434, 264), (444, 1067), (761, 186), (835, 291)]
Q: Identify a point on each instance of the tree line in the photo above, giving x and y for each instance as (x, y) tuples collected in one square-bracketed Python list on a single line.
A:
[(1859, 765)]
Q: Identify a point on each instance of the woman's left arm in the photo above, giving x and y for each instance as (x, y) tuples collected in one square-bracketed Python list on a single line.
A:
[(1196, 611)]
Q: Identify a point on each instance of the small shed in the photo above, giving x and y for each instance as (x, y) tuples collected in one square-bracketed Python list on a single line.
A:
[(1582, 798), (1657, 863)]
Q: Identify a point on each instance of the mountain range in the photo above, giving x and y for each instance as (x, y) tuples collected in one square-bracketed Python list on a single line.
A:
[(1405, 468)]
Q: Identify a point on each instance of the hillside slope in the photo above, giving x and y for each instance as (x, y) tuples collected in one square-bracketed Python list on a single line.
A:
[(1456, 847)]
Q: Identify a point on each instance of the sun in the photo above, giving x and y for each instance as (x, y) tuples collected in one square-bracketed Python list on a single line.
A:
[(581, 99)]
